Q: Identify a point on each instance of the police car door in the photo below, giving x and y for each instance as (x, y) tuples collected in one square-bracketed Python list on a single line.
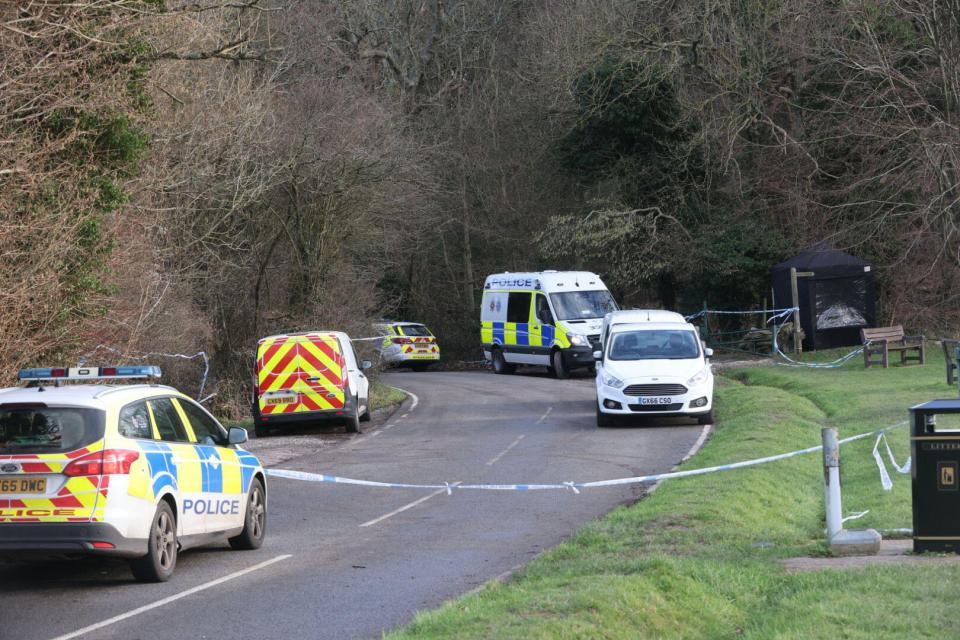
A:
[(184, 466), (223, 488)]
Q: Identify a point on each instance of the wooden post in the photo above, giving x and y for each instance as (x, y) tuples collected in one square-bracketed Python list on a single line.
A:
[(795, 297)]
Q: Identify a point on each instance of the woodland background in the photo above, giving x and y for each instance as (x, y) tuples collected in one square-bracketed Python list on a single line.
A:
[(182, 175)]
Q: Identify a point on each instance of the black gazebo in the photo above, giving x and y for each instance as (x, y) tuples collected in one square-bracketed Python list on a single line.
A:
[(835, 292)]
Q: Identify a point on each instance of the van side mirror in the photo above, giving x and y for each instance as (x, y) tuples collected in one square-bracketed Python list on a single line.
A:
[(236, 435), (708, 352), (366, 364), (598, 355)]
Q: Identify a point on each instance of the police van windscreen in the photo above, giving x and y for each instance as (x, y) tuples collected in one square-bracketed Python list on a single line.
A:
[(40, 429), (582, 304), (415, 330), (653, 344)]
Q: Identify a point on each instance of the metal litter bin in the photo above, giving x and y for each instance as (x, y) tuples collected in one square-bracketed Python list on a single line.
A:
[(935, 447)]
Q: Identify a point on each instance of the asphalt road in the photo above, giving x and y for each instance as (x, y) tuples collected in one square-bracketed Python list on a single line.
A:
[(350, 562)]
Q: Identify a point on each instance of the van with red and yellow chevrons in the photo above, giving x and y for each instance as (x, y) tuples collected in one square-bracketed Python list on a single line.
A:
[(137, 471), (408, 344), (309, 377)]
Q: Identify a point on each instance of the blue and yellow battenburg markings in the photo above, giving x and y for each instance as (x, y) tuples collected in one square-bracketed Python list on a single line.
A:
[(209, 471)]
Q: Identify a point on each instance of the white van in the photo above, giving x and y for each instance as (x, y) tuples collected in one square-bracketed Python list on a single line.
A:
[(652, 362), (548, 318)]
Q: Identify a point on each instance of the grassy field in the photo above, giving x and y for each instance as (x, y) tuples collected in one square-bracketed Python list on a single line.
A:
[(699, 557)]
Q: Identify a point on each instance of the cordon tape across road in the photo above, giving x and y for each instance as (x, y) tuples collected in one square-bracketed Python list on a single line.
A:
[(575, 487)]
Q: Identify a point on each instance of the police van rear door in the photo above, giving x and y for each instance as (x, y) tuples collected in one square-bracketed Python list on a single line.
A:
[(50, 463)]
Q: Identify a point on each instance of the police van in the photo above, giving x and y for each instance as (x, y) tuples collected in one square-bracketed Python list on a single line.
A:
[(304, 378), (136, 471), (547, 318), (652, 362)]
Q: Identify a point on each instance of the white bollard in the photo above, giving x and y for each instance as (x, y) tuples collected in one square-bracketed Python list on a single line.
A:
[(843, 542), (831, 479)]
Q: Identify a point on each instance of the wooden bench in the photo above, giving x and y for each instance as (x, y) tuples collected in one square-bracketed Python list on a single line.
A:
[(950, 357), (882, 340)]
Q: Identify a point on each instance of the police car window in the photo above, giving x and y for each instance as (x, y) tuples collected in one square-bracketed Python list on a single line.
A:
[(135, 421), (415, 330), (40, 429), (518, 307), (168, 421), (204, 427)]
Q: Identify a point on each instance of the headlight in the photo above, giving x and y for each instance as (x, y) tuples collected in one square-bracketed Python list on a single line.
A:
[(610, 381), (699, 378), (577, 340)]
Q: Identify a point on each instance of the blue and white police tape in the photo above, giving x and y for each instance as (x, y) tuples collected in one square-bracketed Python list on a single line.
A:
[(835, 364), (575, 487), (884, 475), (778, 313)]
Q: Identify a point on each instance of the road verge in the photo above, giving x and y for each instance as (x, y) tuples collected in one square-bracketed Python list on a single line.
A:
[(700, 558)]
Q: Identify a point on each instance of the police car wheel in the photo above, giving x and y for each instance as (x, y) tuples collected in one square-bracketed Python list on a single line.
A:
[(558, 366), (500, 365), (255, 520), (161, 558)]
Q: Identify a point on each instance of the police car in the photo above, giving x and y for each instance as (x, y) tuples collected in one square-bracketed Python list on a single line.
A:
[(137, 471), (408, 344)]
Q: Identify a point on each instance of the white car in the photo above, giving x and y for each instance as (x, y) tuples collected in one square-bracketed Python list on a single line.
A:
[(135, 471), (408, 344), (653, 367)]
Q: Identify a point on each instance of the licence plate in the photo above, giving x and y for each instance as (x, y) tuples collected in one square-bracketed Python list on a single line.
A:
[(284, 399), (23, 485), (658, 400)]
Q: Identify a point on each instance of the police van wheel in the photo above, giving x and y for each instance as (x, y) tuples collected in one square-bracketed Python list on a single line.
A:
[(352, 423), (260, 430), (500, 365), (558, 366), (255, 520), (365, 416), (161, 558)]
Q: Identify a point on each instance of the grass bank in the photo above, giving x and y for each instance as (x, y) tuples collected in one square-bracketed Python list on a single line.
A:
[(698, 558), (382, 395)]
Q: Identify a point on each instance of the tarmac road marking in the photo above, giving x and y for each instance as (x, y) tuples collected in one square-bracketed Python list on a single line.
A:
[(168, 600), (407, 506), (544, 416), (699, 443), (494, 460)]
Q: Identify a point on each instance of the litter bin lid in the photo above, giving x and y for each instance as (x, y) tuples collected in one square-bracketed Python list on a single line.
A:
[(938, 405)]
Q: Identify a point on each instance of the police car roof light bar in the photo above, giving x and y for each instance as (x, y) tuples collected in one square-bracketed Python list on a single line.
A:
[(90, 373)]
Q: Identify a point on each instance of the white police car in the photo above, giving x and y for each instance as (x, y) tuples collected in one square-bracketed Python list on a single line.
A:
[(138, 471)]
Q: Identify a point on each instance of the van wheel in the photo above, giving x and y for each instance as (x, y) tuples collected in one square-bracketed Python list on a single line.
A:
[(365, 416), (558, 366), (255, 520), (161, 558), (706, 418), (352, 423), (604, 419), (260, 430), (500, 365)]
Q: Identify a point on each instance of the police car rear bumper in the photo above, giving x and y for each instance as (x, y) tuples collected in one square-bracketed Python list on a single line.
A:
[(54, 538)]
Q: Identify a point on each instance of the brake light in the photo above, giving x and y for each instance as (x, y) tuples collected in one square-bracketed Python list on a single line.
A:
[(102, 545), (102, 463)]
